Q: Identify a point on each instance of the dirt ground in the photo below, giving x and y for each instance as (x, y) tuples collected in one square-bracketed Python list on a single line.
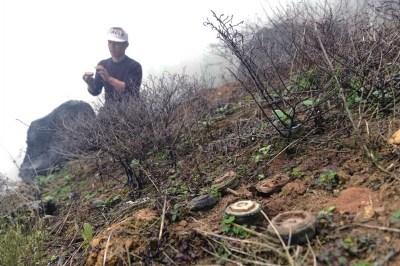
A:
[(354, 209)]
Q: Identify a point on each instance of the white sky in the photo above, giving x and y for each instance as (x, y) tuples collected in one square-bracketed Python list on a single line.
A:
[(46, 46)]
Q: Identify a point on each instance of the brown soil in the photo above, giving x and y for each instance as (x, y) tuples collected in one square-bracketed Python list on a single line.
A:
[(354, 199), (114, 243), (363, 194)]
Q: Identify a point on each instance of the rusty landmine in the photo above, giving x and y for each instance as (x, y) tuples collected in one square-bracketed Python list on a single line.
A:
[(272, 185), (244, 211), (228, 180), (296, 226)]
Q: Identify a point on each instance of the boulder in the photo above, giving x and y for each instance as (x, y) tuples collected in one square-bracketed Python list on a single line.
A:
[(44, 144)]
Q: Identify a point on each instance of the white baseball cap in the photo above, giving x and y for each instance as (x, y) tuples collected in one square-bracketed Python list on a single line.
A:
[(117, 34)]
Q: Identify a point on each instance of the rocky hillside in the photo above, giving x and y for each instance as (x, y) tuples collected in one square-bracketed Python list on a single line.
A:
[(354, 202), (296, 163)]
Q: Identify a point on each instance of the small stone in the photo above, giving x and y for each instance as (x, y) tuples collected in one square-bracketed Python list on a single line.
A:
[(369, 212), (380, 210), (183, 223), (98, 203), (171, 171), (382, 220), (74, 196), (395, 138), (343, 176), (49, 218), (297, 187), (366, 214)]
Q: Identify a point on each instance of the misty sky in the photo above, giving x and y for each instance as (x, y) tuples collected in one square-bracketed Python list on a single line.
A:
[(47, 45)]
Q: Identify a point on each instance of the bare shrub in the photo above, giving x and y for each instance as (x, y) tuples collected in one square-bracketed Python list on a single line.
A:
[(311, 58), (126, 133), (173, 103)]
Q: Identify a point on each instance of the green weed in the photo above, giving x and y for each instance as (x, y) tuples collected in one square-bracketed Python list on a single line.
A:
[(87, 234), (326, 213), (262, 153), (310, 102), (43, 180), (260, 177), (20, 245), (395, 217), (178, 189), (306, 81), (361, 263), (60, 193), (176, 213), (297, 172), (215, 192), (284, 116), (328, 180), (229, 227)]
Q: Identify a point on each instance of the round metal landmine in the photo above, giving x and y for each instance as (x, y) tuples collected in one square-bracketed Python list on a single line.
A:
[(296, 225), (202, 202), (271, 185), (243, 208), (228, 180)]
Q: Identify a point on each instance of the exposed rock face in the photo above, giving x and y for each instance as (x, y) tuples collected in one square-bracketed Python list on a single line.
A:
[(43, 141)]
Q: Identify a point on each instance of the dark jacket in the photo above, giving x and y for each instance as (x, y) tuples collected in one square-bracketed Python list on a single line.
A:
[(128, 71)]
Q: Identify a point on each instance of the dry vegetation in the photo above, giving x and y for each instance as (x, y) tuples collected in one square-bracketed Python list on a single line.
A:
[(317, 92)]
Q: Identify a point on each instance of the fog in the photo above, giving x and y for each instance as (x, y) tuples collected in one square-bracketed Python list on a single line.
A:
[(46, 46)]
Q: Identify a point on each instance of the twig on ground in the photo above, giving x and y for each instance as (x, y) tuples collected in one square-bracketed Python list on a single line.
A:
[(220, 257), (128, 256), (63, 222), (162, 219), (73, 238), (312, 252), (70, 259), (263, 236), (285, 247), (288, 146), (106, 250), (243, 241), (233, 192), (169, 258), (370, 226), (387, 258), (148, 175)]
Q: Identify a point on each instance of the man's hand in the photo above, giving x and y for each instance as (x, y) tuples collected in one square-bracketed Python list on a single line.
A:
[(88, 77), (115, 83), (103, 73)]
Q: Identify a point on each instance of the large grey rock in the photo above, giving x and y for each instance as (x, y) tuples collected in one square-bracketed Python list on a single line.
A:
[(44, 142)]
